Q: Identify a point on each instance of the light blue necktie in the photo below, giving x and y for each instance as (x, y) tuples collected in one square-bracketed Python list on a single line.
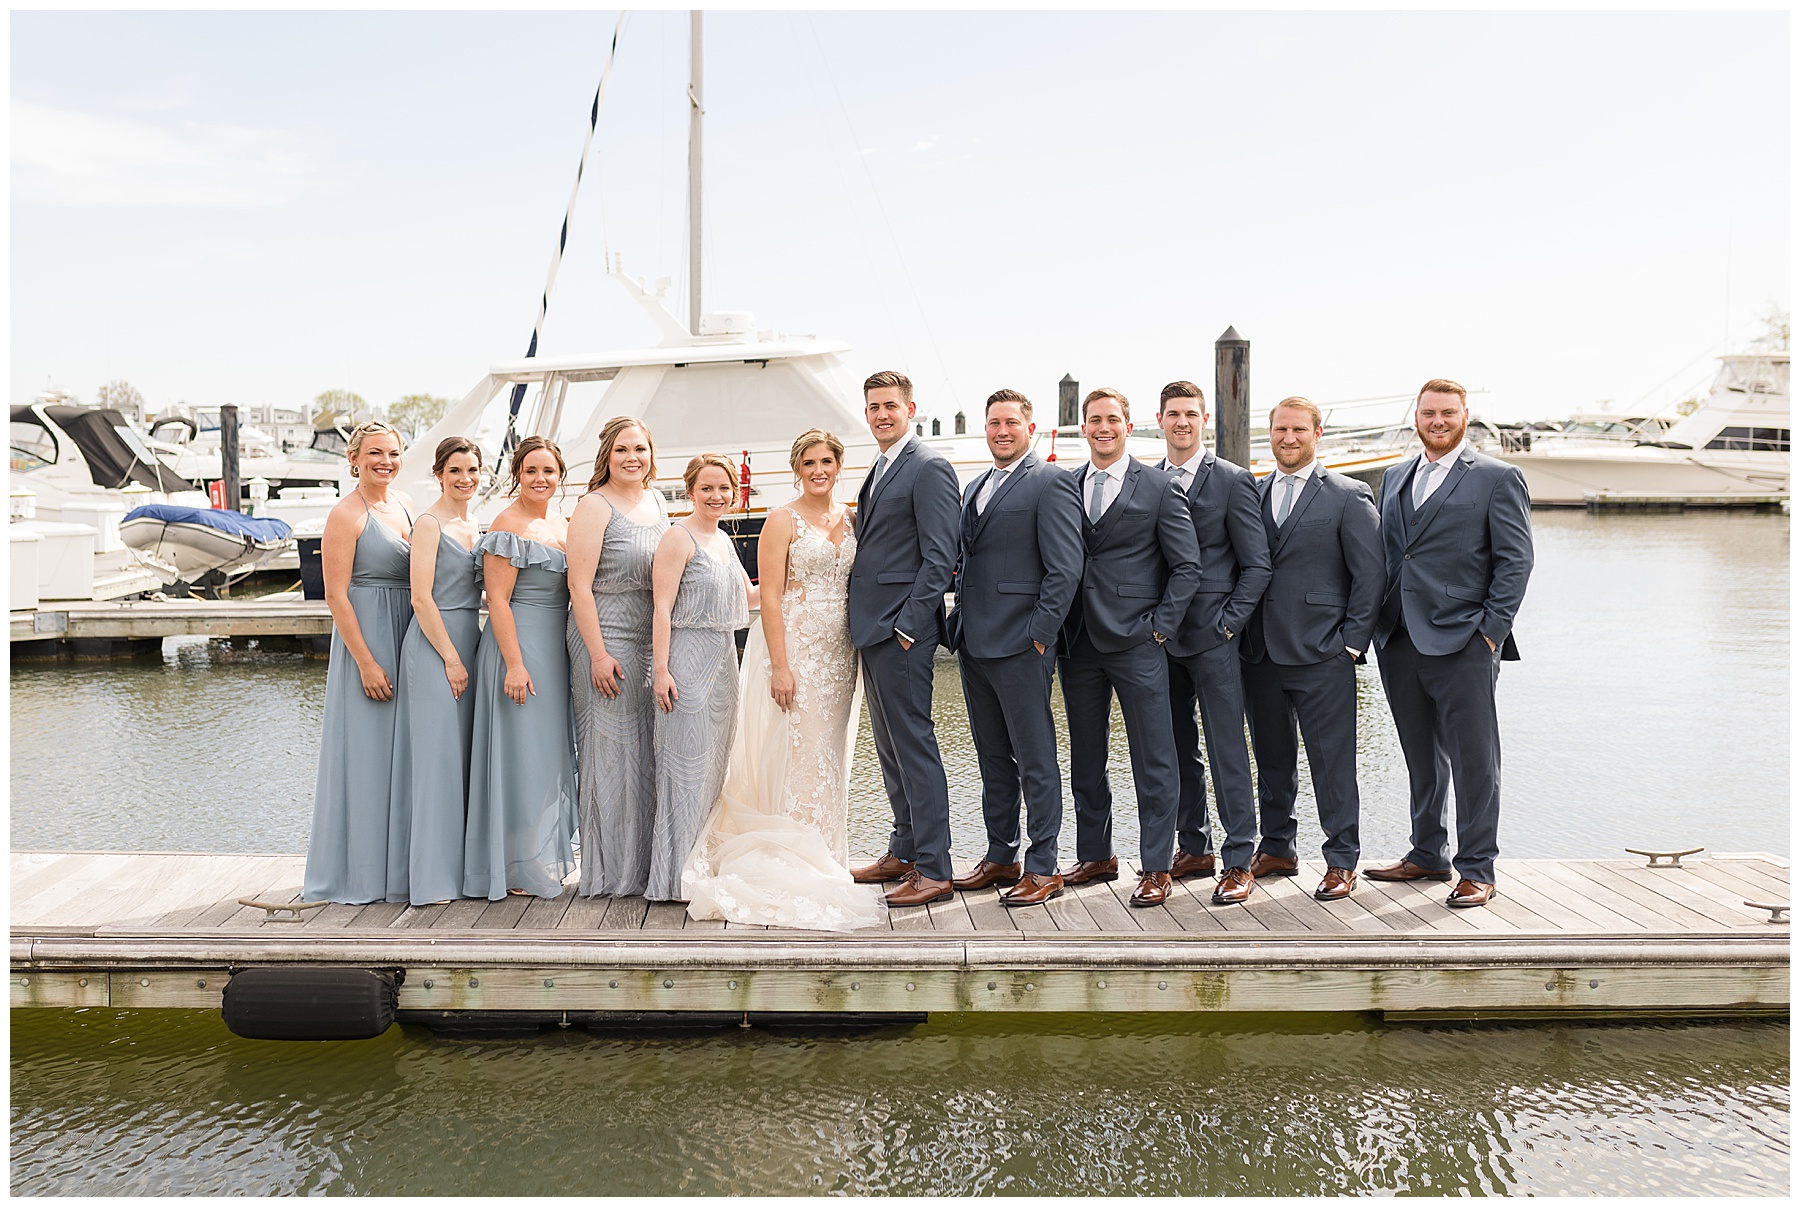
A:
[(1289, 485), (880, 468), (1096, 498), (1422, 483)]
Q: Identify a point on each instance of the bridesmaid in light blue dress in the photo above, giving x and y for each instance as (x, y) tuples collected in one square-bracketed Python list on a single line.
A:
[(521, 824), (612, 539), (702, 597), (436, 718), (368, 589)]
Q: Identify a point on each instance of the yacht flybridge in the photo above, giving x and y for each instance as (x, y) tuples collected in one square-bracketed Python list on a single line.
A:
[(727, 389), (1733, 448)]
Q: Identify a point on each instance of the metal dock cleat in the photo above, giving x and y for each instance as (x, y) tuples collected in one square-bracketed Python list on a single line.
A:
[(1777, 913), (1663, 859), (275, 909)]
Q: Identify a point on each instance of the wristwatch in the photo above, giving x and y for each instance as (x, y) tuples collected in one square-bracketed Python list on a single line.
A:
[(1157, 637)]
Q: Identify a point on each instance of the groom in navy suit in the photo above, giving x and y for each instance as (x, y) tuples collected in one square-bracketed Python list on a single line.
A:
[(906, 537), (1021, 564)]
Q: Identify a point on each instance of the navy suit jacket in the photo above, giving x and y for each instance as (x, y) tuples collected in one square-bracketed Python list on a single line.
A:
[(1234, 552), (906, 532), (1461, 565), (1143, 564), (1021, 561), (1329, 573)]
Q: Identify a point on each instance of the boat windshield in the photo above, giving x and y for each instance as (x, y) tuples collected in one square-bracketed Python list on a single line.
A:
[(32, 446)]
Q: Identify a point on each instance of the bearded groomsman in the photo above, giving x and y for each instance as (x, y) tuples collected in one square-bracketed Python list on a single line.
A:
[(1022, 557), (1302, 645), (1457, 527), (1204, 666), (1141, 569), (906, 527)]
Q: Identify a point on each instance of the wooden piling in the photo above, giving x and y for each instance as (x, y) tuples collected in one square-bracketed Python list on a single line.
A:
[(1231, 389)]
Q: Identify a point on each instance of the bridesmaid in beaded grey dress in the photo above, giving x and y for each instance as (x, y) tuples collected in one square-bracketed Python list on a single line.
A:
[(521, 824), (435, 722), (612, 541), (702, 597), (369, 590)]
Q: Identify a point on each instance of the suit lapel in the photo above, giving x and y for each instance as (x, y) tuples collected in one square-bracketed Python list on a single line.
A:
[(1019, 469), (894, 465), (1133, 471), (1201, 473), (1315, 483), (1451, 477)]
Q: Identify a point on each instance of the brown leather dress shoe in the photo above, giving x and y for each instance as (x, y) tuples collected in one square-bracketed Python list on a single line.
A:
[(1337, 884), (1033, 889), (986, 874), (888, 868), (1092, 872), (1153, 889), (1262, 864), (919, 890), (1469, 893), (1404, 871), (1234, 887), (1186, 865)]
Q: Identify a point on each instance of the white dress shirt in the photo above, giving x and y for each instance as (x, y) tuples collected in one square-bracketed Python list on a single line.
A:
[(1440, 472), (1301, 476), (1184, 473), (1115, 480), (995, 479), (890, 454)]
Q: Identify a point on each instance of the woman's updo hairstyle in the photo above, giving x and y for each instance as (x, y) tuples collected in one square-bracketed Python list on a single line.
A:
[(527, 446), (448, 447), (691, 477), (808, 438), (359, 435)]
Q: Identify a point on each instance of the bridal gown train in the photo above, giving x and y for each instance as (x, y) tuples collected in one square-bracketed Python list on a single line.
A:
[(774, 849)]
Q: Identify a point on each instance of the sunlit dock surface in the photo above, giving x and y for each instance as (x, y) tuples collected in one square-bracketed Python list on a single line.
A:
[(1564, 938)]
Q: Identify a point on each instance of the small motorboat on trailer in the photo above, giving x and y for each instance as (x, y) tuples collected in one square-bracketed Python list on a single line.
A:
[(196, 540)]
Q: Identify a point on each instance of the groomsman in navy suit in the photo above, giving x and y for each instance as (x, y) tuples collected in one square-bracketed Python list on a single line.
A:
[(1142, 566), (1022, 558), (1457, 528), (1300, 649), (1204, 666), (906, 533)]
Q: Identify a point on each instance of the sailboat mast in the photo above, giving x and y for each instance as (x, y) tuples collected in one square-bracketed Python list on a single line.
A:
[(695, 113)]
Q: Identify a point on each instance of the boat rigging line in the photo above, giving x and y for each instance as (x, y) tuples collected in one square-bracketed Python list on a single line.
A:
[(562, 238)]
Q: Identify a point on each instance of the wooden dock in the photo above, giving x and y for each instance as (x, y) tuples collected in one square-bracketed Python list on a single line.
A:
[(1565, 937), (102, 628)]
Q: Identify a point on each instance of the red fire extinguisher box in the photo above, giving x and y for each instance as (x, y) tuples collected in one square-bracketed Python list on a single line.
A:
[(216, 492)]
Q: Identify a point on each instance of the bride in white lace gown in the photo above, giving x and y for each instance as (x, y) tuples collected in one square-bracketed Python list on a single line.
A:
[(775, 849)]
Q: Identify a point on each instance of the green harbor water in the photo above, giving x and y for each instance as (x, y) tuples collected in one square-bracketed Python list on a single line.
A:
[(1650, 708)]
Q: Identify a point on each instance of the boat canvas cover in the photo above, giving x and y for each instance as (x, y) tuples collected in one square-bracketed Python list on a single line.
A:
[(111, 460), (259, 530)]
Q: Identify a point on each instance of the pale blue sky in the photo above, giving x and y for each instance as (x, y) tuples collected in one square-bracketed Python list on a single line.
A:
[(255, 207)]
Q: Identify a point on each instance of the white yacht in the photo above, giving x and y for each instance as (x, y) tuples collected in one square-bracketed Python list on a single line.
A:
[(1733, 447)]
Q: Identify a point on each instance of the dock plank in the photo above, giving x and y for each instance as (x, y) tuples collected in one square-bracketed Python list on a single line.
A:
[(1157, 919), (985, 911), (57, 896), (545, 912), (1758, 882), (461, 914), (1190, 906), (1694, 892), (952, 915), (1649, 909), (1108, 913), (664, 915), (1600, 916), (505, 913)]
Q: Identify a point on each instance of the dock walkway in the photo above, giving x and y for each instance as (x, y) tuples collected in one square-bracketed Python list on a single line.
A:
[(144, 930)]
